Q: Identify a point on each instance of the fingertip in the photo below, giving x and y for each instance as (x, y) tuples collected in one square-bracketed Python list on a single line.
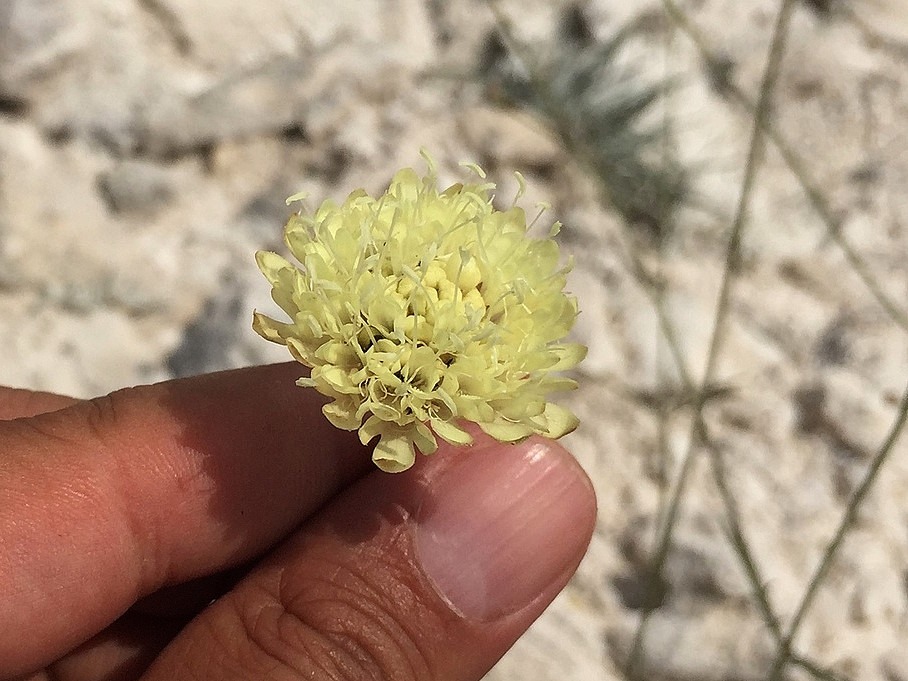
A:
[(18, 403), (524, 515)]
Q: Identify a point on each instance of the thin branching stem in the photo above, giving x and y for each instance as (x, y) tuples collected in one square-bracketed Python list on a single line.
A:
[(699, 436), (798, 167), (732, 253), (748, 562), (874, 38), (847, 522), (754, 154), (818, 672), (770, 76), (654, 292), (736, 535), (822, 206)]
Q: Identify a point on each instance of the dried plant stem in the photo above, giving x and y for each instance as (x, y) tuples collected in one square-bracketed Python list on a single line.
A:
[(654, 292), (748, 562), (736, 535), (798, 167), (763, 129), (754, 154), (873, 37), (834, 230), (848, 519), (820, 673), (822, 206)]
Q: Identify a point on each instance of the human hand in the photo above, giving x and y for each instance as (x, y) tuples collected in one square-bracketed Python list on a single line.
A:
[(219, 528)]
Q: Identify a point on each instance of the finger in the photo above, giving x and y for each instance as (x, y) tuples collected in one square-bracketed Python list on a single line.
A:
[(108, 500), (123, 651), (430, 574), (17, 403)]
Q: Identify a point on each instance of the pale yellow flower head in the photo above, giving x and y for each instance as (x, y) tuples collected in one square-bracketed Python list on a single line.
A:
[(421, 309)]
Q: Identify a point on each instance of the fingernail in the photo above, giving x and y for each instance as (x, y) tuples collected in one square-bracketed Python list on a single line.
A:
[(503, 525)]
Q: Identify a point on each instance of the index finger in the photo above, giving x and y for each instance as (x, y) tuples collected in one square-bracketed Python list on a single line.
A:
[(16, 403), (108, 500)]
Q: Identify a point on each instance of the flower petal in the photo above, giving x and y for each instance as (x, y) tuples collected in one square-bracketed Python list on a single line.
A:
[(424, 439), (559, 421), (505, 431), (375, 427), (340, 415), (273, 266), (569, 356), (450, 433), (271, 329), (394, 454)]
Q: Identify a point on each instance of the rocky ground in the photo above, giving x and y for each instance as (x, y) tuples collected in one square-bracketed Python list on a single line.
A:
[(146, 149)]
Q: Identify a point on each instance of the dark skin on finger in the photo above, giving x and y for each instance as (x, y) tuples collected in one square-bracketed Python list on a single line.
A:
[(219, 527)]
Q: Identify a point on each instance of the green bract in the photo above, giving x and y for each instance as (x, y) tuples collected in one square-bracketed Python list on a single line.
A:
[(421, 309)]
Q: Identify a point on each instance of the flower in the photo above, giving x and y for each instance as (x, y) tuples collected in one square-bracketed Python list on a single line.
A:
[(421, 309)]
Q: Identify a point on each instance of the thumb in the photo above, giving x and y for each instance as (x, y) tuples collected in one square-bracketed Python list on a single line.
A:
[(428, 574)]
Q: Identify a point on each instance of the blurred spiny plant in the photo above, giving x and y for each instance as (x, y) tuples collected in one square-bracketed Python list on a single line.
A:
[(601, 111)]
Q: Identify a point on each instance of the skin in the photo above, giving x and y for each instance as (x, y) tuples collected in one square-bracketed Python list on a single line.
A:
[(218, 527)]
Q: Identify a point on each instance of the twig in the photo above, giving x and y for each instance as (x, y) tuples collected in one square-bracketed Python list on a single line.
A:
[(832, 548), (755, 150), (874, 38), (798, 167), (748, 562)]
